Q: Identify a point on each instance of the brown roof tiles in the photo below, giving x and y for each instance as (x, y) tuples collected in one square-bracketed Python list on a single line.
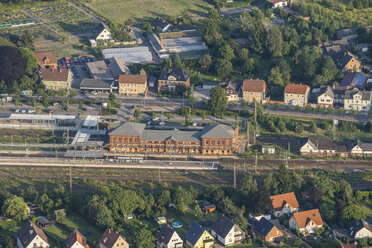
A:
[(109, 238), (45, 58), (132, 79), (54, 75), (254, 85), (299, 89), (280, 201), (76, 236), (304, 218)]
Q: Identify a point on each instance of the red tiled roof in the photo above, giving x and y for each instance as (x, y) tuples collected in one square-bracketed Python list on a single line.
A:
[(279, 201), (254, 85), (304, 218), (300, 89), (76, 236), (132, 79), (45, 57), (54, 75), (109, 238)]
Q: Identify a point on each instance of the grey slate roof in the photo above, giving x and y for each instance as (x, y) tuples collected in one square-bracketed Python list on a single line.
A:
[(263, 227), (364, 146), (222, 225), (366, 95), (179, 73), (321, 143), (98, 30), (194, 233), (177, 135), (99, 70), (218, 131), (165, 234), (91, 83), (28, 232), (117, 66), (343, 60), (357, 225), (355, 79), (129, 128)]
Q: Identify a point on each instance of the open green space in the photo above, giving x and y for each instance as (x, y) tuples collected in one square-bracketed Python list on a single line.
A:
[(141, 10)]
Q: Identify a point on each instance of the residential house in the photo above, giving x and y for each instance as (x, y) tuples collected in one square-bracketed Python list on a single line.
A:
[(254, 90), (160, 23), (56, 79), (267, 230), (46, 59), (359, 148), (171, 77), (347, 62), (132, 84), (31, 236), (257, 217), (232, 91), (284, 204), (133, 137), (357, 100), (360, 229), (306, 221), (296, 94), (335, 49), (76, 240), (168, 238), (323, 147), (111, 239), (226, 231), (198, 237), (322, 96), (354, 79), (339, 96), (277, 3), (362, 48), (102, 33)]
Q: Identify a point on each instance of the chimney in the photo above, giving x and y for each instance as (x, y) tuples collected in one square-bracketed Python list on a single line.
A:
[(31, 232), (333, 86), (161, 41)]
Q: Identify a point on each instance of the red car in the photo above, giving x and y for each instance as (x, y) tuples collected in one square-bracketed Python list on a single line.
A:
[(52, 112)]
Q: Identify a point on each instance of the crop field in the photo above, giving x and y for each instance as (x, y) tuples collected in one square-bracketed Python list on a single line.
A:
[(142, 10)]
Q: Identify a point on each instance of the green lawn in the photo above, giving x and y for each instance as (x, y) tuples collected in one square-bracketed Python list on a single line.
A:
[(140, 10)]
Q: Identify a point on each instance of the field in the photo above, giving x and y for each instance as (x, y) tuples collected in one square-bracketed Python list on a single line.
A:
[(141, 10)]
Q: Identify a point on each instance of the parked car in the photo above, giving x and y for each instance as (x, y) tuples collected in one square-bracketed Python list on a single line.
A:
[(83, 68), (84, 109), (149, 123), (93, 92), (194, 124), (30, 111), (198, 88)]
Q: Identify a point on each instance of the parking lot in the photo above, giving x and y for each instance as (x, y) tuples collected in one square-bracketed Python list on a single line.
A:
[(78, 68)]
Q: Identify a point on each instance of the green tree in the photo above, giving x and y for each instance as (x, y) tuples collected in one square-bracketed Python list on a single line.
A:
[(327, 186), (8, 242), (198, 212), (313, 127), (248, 183), (203, 115), (164, 198), (104, 217), (261, 200), (346, 190), (223, 67), (14, 207), (330, 110), (137, 113), (274, 41), (145, 239), (192, 100), (362, 242), (309, 109), (352, 212), (284, 178), (275, 77), (341, 112), (205, 62), (218, 100), (73, 93), (176, 60), (226, 52)]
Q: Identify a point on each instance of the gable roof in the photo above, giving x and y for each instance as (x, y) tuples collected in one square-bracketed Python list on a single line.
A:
[(222, 226), (194, 233), (99, 70), (54, 75), (117, 66), (254, 85), (279, 201), (218, 131), (263, 227), (165, 234), (299, 89), (344, 60), (179, 73), (129, 128), (110, 237), (159, 22), (358, 225), (366, 95), (132, 79), (355, 79), (98, 30), (45, 57), (303, 218), (28, 232), (322, 143), (76, 236)]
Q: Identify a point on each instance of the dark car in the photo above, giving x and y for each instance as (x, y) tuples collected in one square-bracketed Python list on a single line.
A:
[(83, 68), (84, 109)]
